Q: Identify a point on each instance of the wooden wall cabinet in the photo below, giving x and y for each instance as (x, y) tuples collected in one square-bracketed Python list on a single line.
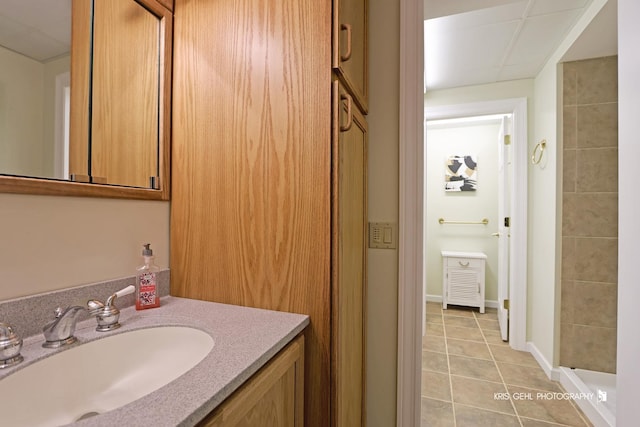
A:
[(268, 197), (274, 396), (349, 59), (121, 94)]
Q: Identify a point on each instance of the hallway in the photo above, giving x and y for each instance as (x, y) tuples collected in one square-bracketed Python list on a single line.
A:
[(470, 377)]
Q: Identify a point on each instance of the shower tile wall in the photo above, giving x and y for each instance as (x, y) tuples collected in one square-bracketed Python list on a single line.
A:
[(590, 215)]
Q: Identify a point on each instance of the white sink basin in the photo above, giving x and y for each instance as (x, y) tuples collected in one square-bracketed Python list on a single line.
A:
[(100, 376)]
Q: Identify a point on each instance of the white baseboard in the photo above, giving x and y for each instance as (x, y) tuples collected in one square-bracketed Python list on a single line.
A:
[(547, 367), (438, 298)]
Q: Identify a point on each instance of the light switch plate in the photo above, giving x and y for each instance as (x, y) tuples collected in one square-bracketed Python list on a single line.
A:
[(383, 235)]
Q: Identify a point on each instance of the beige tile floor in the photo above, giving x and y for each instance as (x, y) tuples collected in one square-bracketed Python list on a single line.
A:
[(470, 377)]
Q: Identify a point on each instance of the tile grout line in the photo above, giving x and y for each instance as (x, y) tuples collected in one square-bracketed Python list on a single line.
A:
[(484, 333), (446, 348), (576, 408), (504, 384), (530, 387)]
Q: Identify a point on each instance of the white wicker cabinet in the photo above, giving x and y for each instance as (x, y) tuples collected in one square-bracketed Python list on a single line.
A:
[(463, 279)]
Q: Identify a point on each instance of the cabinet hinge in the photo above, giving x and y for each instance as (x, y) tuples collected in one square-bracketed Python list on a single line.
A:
[(505, 304), (507, 221), (507, 140)]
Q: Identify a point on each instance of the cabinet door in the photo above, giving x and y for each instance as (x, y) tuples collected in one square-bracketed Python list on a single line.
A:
[(250, 164), (348, 259), (464, 286), (350, 47), (272, 397)]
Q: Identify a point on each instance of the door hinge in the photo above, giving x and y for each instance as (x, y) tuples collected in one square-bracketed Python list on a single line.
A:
[(507, 140), (507, 221), (505, 304)]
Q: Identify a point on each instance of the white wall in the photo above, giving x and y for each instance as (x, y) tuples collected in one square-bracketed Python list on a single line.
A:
[(488, 92), (21, 114), (51, 70), (629, 199), (481, 140), (541, 253), (382, 275), (27, 113), (543, 296), (49, 243)]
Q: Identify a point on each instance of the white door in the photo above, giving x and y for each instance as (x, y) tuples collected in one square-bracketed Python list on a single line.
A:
[(504, 145)]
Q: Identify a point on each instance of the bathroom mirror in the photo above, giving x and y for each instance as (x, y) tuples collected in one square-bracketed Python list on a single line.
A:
[(85, 105)]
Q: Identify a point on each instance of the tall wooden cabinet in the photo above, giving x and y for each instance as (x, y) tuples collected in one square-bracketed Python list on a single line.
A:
[(268, 195), (349, 244)]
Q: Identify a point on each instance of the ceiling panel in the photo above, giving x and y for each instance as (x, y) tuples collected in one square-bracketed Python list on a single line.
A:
[(38, 29), (519, 71), (494, 40), (509, 12), (543, 7), (437, 8), (540, 35)]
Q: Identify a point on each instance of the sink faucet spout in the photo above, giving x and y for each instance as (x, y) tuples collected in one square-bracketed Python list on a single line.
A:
[(60, 331)]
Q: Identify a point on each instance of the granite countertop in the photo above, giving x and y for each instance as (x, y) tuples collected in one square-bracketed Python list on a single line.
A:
[(244, 340)]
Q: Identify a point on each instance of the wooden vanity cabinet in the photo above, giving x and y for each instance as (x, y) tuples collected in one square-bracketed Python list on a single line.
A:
[(274, 396), (268, 202)]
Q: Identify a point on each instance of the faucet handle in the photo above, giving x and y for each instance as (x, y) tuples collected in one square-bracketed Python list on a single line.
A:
[(122, 292), (108, 314), (10, 346)]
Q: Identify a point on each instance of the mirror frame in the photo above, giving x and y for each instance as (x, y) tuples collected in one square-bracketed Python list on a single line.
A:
[(52, 187)]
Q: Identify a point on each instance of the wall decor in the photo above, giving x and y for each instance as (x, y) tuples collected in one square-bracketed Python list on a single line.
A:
[(461, 173)]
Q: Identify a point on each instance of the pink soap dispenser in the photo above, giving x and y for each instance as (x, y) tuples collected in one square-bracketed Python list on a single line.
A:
[(146, 281)]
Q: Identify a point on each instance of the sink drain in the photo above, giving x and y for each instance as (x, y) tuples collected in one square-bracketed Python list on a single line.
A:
[(88, 415)]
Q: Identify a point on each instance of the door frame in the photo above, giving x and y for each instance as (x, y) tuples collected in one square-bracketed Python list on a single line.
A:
[(518, 203), (413, 225), (411, 215), (504, 210)]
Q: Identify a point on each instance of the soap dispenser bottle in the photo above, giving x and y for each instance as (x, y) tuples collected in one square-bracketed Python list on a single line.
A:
[(146, 281)]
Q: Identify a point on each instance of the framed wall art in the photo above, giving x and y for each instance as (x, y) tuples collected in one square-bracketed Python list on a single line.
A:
[(461, 173)]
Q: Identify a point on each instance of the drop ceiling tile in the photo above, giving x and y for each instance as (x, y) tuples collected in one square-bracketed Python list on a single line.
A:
[(9, 28), (540, 36), (38, 32), (438, 8), (544, 7), (38, 47), (492, 44), (494, 15), (59, 30), (520, 71), (461, 78), (480, 46)]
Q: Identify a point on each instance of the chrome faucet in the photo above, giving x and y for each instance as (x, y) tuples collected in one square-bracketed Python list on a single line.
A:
[(10, 345), (60, 331), (107, 314)]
